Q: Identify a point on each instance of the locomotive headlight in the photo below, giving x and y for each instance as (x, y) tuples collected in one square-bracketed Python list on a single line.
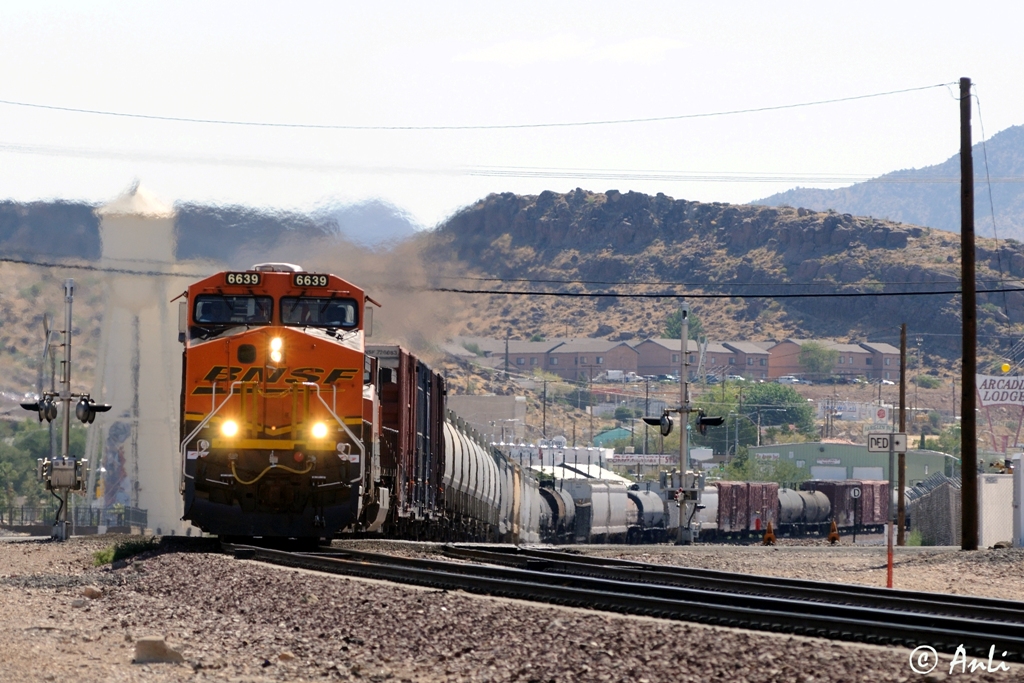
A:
[(319, 430), (229, 428), (276, 349), (276, 356)]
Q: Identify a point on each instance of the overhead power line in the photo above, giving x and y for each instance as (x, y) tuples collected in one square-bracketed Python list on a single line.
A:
[(624, 295), (553, 173), (692, 295), (663, 283), (567, 124), (101, 269)]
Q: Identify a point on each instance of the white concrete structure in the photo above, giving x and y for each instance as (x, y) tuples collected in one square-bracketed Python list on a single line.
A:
[(1018, 500), (995, 509), (138, 370)]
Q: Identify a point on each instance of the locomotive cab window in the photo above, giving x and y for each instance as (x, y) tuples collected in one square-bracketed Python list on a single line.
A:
[(315, 311), (216, 309)]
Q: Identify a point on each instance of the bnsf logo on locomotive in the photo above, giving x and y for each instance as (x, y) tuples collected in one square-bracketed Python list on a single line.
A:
[(255, 373)]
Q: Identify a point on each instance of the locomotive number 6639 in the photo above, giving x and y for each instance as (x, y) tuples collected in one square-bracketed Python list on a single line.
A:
[(242, 278), (309, 280)]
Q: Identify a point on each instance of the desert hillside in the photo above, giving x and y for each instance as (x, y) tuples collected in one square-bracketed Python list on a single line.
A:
[(614, 243)]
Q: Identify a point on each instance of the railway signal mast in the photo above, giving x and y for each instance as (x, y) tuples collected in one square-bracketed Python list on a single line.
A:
[(688, 487), (66, 473)]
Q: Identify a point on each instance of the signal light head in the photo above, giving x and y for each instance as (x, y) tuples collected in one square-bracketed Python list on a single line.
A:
[(229, 428), (319, 430), (664, 423), (82, 410)]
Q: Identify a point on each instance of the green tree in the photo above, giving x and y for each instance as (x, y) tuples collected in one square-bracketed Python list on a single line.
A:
[(779, 404), (723, 401), (625, 413), (818, 359), (674, 325), (782, 472), (21, 445)]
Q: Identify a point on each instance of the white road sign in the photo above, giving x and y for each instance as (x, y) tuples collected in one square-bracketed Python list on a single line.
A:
[(879, 443)]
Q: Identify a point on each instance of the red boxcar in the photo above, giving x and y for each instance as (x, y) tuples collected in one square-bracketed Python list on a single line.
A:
[(732, 506), (873, 504), (763, 504)]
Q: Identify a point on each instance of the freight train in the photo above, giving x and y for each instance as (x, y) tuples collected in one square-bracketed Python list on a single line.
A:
[(293, 427)]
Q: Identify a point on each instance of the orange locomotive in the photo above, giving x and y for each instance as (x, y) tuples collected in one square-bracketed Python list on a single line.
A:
[(278, 422)]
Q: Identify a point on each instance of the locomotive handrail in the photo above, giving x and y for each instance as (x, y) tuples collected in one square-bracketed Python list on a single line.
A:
[(206, 420)]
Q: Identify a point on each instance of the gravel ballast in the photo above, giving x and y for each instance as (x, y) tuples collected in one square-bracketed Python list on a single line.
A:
[(240, 621)]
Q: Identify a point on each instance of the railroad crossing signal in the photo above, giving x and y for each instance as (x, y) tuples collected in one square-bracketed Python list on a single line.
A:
[(880, 443)]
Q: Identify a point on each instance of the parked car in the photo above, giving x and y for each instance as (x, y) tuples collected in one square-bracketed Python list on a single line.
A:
[(736, 378), (888, 382), (788, 379), (711, 379)]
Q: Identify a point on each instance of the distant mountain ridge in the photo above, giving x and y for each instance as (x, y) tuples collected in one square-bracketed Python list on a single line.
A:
[(48, 230), (930, 196)]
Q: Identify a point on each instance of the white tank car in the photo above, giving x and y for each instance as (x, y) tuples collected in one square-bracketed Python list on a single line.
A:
[(530, 510), (709, 515), (600, 509), (803, 507), (650, 508), (471, 478)]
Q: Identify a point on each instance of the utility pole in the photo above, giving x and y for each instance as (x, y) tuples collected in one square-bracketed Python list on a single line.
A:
[(647, 408), (968, 419), (590, 402), (901, 510), (507, 335), (544, 419)]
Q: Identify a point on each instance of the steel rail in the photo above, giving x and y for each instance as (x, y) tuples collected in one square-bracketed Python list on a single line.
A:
[(961, 606), (843, 622)]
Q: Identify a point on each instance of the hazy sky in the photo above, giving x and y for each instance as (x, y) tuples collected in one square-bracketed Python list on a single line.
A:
[(477, 63)]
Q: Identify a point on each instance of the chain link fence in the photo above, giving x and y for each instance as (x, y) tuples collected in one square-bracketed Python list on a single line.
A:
[(80, 516)]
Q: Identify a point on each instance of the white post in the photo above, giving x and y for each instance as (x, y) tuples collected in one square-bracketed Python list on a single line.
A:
[(1018, 501)]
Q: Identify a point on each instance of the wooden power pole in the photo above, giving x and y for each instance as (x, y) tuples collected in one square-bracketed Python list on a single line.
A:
[(901, 511), (968, 396)]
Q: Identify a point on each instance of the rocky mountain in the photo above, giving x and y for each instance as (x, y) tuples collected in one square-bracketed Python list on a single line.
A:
[(613, 243), (931, 196)]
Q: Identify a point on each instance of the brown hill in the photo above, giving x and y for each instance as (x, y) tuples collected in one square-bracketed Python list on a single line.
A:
[(579, 241)]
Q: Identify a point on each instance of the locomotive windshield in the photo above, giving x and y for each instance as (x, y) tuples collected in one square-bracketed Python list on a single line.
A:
[(319, 312), (216, 309)]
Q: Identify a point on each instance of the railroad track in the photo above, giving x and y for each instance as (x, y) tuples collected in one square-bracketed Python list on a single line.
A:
[(960, 606), (787, 609)]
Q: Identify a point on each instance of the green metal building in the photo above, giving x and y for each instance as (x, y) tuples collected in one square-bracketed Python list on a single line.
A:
[(852, 461)]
